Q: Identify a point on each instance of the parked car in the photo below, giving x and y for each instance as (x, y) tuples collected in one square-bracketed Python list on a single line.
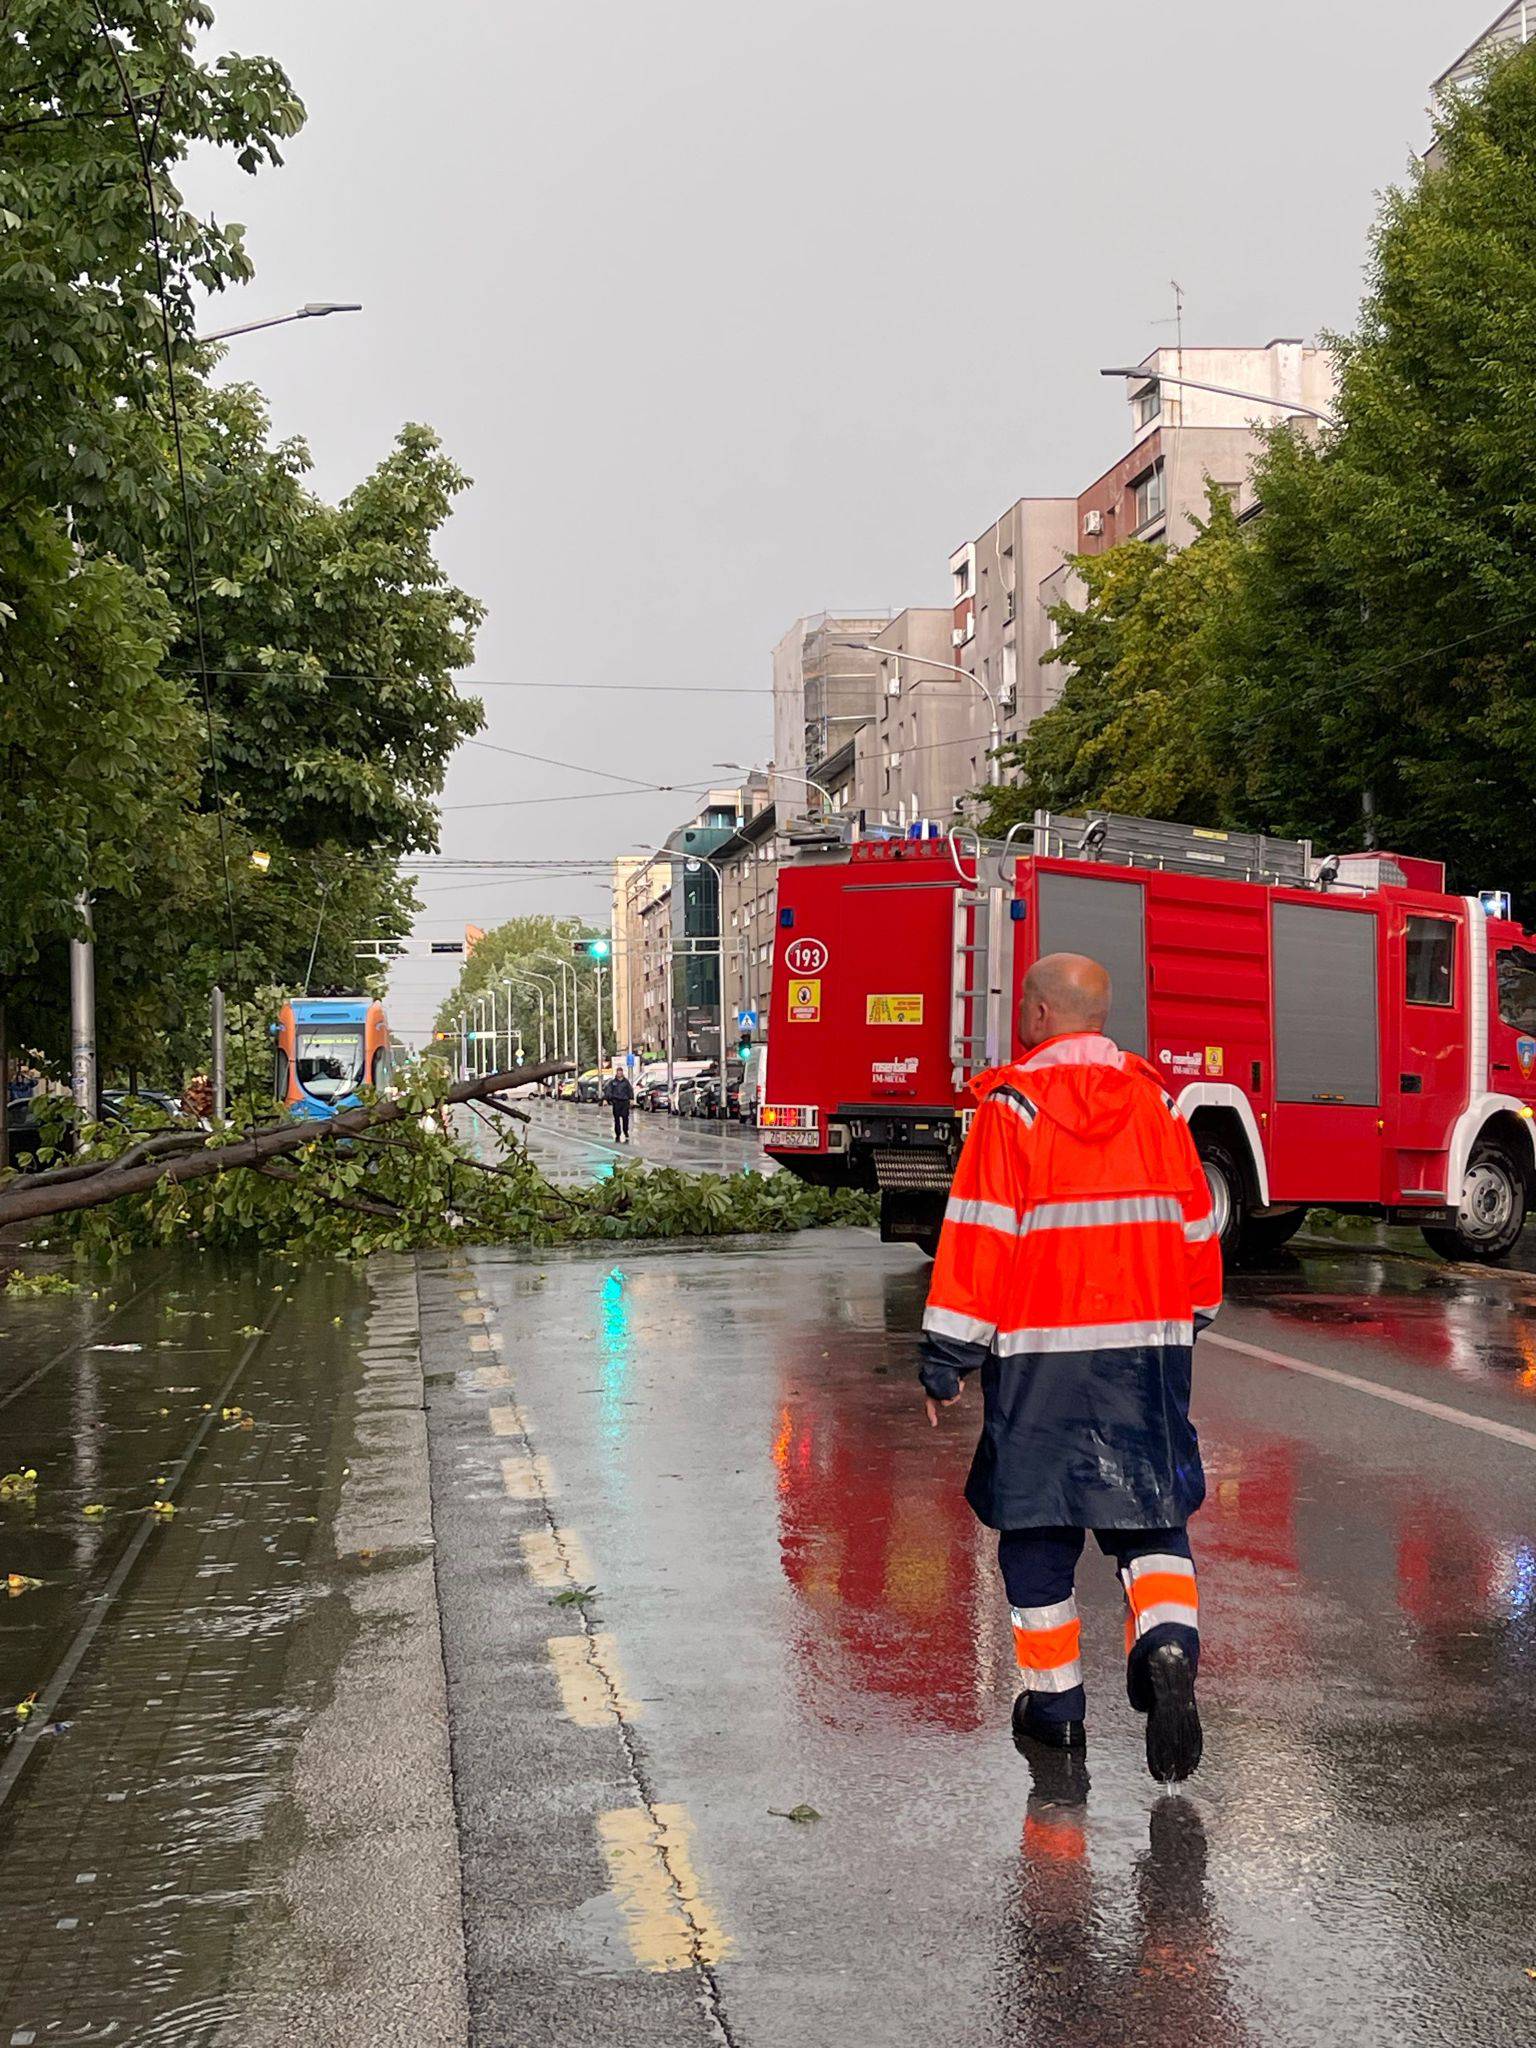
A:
[(589, 1086), (683, 1093), (653, 1094), (705, 1100)]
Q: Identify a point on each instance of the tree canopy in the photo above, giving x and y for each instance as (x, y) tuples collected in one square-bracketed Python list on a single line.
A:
[(157, 538)]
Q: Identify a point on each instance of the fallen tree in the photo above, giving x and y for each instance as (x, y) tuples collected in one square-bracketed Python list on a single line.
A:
[(389, 1176), (170, 1158)]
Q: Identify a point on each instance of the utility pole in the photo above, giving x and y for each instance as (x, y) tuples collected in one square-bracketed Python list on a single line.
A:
[(82, 1014), (217, 1074)]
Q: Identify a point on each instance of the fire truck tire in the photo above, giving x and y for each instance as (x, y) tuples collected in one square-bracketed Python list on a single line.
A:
[(1491, 1215), (1265, 1234), (1228, 1184)]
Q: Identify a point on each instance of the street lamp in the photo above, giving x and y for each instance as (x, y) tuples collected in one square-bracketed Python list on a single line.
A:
[(571, 1020), (899, 655), (820, 788), (315, 309), (1222, 391), (668, 853)]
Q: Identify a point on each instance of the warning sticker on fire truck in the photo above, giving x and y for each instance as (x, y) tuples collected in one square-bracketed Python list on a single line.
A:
[(1214, 1059), (893, 1009), (804, 1002)]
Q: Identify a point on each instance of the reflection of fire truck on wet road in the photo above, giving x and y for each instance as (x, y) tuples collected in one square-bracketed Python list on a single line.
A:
[(1337, 1031)]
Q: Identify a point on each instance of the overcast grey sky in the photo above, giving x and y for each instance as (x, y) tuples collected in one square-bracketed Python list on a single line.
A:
[(738, 309)]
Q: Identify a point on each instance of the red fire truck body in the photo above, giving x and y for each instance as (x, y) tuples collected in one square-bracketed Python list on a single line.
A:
[(1339, 1032)]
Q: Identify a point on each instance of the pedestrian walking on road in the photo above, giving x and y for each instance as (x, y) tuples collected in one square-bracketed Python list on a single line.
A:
[(621, 1098), (1078, 1259)]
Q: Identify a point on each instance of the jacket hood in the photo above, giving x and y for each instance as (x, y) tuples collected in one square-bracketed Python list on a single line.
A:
[(1082, 1081)]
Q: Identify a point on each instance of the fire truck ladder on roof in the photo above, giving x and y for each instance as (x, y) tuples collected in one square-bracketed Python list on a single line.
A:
[(1114, 841)]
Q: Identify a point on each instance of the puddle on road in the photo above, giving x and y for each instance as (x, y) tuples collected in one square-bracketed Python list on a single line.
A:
[(132, 1842)]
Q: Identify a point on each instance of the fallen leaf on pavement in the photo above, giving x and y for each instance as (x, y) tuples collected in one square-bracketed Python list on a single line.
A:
[(93, 1508), (18, 1582), (801, 1813), (574, 1596)]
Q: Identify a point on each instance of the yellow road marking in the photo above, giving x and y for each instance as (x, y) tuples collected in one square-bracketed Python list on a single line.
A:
[(667, 1922), (491, 1377), (554, 1565), (471, 1315), (527, 1478), (587, 1669), (469, 1294), (485, 1340), (506, 1419)]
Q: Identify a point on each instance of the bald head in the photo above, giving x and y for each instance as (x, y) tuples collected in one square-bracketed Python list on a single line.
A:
[(1063, 992)]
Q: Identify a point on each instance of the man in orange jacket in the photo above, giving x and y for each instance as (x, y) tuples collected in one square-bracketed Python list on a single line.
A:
[(1078, 1259)]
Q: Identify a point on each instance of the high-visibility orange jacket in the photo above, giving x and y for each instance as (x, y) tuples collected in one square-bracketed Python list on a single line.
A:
[(1078, 1258)]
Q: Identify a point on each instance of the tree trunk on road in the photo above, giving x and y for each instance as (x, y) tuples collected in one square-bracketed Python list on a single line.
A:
[(19, 1202)]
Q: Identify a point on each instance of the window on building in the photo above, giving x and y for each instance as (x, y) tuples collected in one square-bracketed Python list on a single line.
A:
[(963, 578), (1148, 403), (1431, 961), (1151, 500)]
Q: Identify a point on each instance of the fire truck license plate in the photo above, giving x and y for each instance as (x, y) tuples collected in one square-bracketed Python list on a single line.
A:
[(780, 1140)]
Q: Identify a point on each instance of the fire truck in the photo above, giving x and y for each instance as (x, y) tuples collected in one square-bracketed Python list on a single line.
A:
[(1336, 1031)]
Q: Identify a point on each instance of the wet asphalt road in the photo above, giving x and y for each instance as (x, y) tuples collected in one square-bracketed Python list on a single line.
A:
[(340, 1764), (574, 1141), (794, 1607)]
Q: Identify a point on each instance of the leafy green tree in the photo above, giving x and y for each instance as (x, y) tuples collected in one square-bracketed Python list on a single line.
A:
[(522, 943), (332, 629), (331, 632), (80, 270), (1138, 725)]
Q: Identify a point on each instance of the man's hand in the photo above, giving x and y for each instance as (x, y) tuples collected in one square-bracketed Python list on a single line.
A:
[(933, 1406)]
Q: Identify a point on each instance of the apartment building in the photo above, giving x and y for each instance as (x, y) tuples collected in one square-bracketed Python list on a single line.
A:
[(666, 921), (930, 725), (1184, 436), (823, 688), (1001, 631), (749, 871), (1509, 28)]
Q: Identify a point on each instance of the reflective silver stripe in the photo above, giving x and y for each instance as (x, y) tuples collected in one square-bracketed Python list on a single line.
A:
[(1095, 1337), (1018, 1105), (989, 1215), (1158, 1561), (1055, 1616), (1095, 1215), (1201, 1232), (1062, 1679), (1209, 1309), (1154, 1617), (948, 1322)]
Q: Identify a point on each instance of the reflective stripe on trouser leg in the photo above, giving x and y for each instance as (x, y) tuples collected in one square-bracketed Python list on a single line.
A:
[(1160, 1590), (1046, 1641)]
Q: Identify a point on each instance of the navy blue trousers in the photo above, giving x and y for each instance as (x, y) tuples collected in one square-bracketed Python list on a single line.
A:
[(1039, 1566)]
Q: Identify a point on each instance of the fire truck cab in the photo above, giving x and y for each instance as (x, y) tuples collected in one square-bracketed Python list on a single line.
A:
[(1337, 1032)]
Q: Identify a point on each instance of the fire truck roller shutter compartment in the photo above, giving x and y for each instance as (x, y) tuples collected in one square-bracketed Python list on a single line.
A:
[(1107, 921), (1327, 1054)]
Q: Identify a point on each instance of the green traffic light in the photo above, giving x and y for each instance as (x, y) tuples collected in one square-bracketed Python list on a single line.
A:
[(599, 949)]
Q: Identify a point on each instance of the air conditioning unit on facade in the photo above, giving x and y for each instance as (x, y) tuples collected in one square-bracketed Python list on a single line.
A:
[(1093, 523), (957, 637)]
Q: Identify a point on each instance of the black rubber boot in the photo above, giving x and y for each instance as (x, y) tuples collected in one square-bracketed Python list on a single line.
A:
[(1174, 1741), (1031, 1727)]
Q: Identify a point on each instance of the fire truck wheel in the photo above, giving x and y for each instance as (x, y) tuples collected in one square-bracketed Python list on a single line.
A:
[(1265, 1234), (1229, 1190), (1492, 1212)]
